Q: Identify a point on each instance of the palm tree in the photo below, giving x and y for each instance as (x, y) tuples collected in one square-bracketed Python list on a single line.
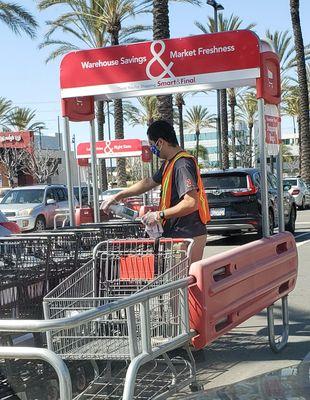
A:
[(247, 109), (224, 24), (91, 24), (232, 103), (161, 30), (17, 19), (284, 47), (22, 119), (179, 102), (5, 109), (290, 107), (196, 118), (146, 114), (303, 90)]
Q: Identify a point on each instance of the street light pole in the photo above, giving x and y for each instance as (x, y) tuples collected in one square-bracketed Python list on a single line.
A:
[(216, 7)]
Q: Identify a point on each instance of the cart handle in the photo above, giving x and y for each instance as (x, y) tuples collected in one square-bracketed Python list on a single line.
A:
[(31, 353), (87, 316)]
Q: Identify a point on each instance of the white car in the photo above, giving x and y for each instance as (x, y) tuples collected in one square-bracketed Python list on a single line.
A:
[(299, 190), (34, 207)]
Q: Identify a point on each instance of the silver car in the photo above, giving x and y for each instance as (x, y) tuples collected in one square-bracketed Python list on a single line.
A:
[(34, 207), (299, 190)]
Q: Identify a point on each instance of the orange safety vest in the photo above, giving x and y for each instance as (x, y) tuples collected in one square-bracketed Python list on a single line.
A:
[(166, 188)]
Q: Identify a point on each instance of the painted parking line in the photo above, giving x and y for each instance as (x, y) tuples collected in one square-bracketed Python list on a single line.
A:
[(302, 234)]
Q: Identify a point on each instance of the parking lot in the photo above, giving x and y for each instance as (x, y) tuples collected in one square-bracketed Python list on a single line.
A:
[(244, 353)]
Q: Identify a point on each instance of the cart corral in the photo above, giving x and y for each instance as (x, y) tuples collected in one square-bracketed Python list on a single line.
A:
[(138, 301)]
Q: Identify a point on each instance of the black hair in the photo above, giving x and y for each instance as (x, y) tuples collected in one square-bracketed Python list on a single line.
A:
[(162, 130)]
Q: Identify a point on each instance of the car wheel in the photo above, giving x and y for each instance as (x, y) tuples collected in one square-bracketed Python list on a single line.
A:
[(290, 226), (40, 224)]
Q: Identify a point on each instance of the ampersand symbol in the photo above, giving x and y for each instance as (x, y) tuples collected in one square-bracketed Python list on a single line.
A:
[(108, 148), (156, 58)]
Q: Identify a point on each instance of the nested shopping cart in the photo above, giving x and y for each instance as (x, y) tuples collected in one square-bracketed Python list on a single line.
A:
[(126, 327)]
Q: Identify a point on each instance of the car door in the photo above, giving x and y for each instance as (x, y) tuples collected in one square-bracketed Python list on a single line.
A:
[(62, 198), (50, 208)]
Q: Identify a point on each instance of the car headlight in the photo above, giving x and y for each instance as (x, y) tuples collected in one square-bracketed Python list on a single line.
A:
[(24, 213)]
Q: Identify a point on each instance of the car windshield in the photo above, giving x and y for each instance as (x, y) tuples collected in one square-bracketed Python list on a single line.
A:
[(221, 181), (24, 196), (290, 182)]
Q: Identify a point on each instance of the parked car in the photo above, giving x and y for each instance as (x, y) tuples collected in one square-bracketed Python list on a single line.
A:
[(235, 202), (34, 207), (7, 228), (84, 190), (299, 190), (4, 191)]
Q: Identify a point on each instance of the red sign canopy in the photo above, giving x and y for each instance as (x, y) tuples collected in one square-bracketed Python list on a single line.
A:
[(115, 149), (220, 60), (16, 140)]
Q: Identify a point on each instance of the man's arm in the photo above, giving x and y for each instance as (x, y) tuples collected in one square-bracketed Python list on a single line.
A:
[(186, 206), (140, 187)]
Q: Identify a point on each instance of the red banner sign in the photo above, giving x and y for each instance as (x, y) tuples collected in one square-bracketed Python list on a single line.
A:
[(210, 61), (113, 148), (16, 140)]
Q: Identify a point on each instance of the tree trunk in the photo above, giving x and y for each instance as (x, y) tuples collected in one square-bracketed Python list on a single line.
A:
[(250, 145), (100, 124), (303, 90), (161, 31), (119, 134), (181, 128), (197, 144), (232, 105), (119, 126), (224, 124), (299, 146)]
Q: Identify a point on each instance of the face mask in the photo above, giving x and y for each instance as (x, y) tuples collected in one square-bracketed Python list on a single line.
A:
[(155, 150)]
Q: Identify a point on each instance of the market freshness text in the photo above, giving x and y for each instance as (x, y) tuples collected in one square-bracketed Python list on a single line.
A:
[(173, 54)]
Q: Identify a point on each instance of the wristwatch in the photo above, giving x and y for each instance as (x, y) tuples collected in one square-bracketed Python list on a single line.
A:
[(161, 215)]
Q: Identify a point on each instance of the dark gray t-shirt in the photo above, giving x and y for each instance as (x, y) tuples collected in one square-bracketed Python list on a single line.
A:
[(184, 179)]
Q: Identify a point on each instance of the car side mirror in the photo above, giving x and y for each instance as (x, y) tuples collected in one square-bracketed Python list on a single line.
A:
[(50, 201)]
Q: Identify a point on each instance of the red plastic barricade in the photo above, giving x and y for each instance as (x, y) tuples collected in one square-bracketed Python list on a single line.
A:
[(235, 285), (84, 215)]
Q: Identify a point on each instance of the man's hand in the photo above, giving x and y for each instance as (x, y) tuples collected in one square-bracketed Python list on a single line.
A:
[(105, 205), (150, 218)]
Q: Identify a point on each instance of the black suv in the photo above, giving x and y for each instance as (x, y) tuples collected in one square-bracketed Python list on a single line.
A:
[(235, 202)]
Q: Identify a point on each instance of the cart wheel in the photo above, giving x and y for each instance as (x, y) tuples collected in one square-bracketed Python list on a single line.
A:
[(52, 391), (195, 387), (80, 381)]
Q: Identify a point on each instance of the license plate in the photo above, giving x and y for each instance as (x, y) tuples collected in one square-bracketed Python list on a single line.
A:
[(217, 212)]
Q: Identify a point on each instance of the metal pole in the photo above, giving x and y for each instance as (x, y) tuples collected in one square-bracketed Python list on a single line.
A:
[(218, 100), (263, 169), (88, 185), (79, 172), (279, 166), (68, 171), (94, 171), (109, 132)]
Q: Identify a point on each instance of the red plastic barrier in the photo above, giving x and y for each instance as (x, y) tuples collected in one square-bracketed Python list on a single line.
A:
[(84, 215), (11, 226), (235, 285)]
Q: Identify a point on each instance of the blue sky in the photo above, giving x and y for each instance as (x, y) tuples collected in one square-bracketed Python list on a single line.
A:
[(29, 82)]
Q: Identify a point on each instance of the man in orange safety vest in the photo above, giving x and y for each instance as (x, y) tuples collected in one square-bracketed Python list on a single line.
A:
[(183, 209)]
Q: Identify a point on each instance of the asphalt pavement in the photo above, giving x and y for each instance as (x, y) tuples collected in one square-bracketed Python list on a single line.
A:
[(244, 352)]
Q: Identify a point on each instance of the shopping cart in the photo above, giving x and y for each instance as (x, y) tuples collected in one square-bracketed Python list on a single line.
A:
[(120, 270)]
